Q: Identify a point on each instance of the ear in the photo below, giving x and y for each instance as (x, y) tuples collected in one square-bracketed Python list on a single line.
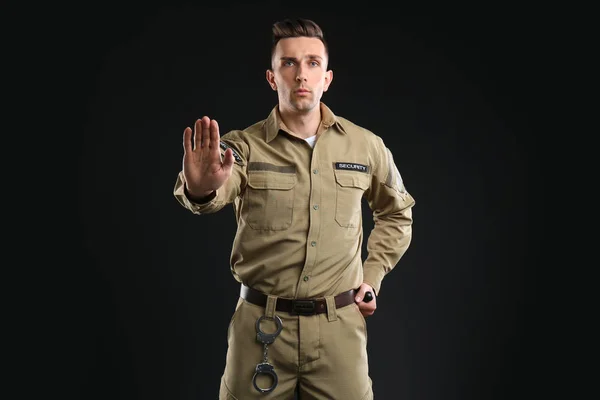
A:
[(271, 79), (328, 80)]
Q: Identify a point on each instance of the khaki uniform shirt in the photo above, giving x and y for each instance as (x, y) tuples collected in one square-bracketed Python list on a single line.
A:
[(299, 211)]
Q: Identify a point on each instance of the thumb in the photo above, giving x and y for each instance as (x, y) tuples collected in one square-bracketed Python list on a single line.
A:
[(228, 160), (360, 295)]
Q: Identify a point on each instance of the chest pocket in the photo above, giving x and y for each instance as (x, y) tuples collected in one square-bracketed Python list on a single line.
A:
[(350, 188), (270, 200)]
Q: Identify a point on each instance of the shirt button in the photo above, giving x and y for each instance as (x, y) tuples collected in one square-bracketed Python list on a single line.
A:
[(315, 171), (316, 206), (306, 278), (313, 244)]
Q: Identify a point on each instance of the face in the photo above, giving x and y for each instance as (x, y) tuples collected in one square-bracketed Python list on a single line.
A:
[(299, 73)]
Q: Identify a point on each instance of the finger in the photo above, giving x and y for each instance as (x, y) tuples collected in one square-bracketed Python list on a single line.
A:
[(228, 160), (360, 295), (197, 134), (366, 313), (214, 136), (367, 309), (187, 140), (205, 132)]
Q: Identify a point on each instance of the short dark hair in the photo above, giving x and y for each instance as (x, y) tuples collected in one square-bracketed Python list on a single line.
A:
[(297, 27)]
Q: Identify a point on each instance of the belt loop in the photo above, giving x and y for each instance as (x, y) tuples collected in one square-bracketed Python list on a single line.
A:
[(270, 307), (331, 310)]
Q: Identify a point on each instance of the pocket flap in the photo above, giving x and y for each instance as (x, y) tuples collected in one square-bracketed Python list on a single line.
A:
[(352, 179), (271, 180)]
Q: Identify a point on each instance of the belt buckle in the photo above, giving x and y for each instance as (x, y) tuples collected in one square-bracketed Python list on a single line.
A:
[(303, 307)]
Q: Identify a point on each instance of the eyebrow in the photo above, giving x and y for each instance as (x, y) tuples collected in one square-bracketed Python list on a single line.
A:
[(310, 57)]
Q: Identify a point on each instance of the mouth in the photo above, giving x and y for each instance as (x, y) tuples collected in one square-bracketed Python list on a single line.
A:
[(302, 91)]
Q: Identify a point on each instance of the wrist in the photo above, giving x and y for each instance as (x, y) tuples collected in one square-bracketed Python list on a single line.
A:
[(198, 197)]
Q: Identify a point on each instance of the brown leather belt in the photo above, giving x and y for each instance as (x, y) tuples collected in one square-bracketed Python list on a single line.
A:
[(297, 306)]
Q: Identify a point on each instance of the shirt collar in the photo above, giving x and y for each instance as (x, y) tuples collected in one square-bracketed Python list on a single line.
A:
[(273, 124)]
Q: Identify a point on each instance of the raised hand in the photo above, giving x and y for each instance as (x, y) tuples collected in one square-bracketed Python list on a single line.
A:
[(203, 169)]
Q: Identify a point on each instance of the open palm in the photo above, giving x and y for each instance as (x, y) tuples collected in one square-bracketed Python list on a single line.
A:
[(203, 168)]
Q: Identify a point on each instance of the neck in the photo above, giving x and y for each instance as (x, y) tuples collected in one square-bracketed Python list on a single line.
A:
[(303, 125)]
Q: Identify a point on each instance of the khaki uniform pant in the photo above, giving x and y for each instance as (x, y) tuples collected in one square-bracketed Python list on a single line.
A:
[(324, 354)]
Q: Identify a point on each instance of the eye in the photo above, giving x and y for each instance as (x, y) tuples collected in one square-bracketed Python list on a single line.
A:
[(314, 63), (288, 63)]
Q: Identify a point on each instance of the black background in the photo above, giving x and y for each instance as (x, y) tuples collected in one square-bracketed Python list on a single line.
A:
[(144, 286)]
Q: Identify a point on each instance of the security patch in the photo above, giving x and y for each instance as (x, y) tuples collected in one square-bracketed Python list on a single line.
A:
[(348, 166), (225, 146)]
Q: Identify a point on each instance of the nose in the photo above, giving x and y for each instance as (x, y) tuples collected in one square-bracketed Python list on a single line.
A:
[(300, 75)]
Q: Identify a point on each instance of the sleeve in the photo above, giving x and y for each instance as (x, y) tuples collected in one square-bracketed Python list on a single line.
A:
[(392, 214), (233, 187)]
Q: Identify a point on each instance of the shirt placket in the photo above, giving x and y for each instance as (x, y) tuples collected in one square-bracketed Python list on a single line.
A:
[(314, 215)]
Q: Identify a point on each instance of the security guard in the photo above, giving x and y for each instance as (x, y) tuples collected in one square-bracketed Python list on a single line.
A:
[(296, 180)]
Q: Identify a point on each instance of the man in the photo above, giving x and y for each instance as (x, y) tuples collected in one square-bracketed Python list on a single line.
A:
[(296, 181)]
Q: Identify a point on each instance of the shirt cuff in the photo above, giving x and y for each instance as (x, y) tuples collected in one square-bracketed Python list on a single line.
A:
[(210, 203), (373, 276)]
